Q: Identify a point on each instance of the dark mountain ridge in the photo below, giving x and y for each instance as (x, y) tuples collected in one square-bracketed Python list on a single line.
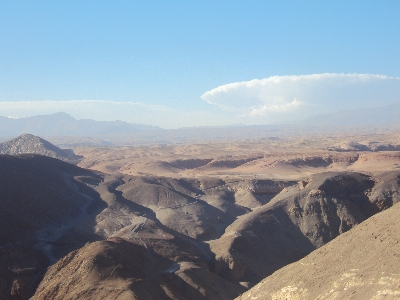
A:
[(62, 124), (122, 133)]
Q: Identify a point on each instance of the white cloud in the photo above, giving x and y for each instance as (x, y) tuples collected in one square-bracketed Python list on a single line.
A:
[(104, 110), (263, 110), (280, 98), (276, 99)]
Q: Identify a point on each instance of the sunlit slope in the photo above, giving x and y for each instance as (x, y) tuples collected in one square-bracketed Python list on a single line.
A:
[(363, 263)]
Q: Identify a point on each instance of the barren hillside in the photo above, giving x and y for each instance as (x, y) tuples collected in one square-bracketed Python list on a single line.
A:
[(363, 263), (217, 227)]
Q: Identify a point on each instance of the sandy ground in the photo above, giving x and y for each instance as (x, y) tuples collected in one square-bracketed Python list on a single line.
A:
[(288, 158)]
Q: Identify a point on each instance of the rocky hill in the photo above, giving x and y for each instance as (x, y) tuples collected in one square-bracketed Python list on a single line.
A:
[(108, 236), (39, 195), (50, 208), (363, 263), (28, 143), (121, 269), (299, 220)]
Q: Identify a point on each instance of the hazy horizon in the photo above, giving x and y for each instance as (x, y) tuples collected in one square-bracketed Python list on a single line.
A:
[(362, 114)]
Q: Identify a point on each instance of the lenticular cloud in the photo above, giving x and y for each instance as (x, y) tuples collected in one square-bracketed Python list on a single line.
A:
[(305, 94)]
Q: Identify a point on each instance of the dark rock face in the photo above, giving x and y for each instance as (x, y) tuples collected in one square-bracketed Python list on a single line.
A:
[(36, 193), (297, 221), (21, 269), (31, 144)]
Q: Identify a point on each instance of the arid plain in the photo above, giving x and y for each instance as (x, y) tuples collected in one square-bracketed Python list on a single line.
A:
[(292, 157)]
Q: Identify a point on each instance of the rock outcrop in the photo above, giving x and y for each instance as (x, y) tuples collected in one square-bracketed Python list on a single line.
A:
[(30, 144), (299, 220)]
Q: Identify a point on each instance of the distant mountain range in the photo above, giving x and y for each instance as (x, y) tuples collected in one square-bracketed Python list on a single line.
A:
[(62, 124), (378, 116)]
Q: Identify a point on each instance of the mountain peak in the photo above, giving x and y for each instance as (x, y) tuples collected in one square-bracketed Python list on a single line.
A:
[(28, 143)]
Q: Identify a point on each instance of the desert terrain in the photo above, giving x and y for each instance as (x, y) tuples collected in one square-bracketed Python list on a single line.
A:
[(241, 218), (295, 156), (199, 150)]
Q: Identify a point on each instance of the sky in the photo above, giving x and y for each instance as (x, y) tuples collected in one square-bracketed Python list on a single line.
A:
[(197, 63)]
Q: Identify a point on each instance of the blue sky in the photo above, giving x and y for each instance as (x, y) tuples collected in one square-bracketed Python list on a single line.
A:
[(156, 62)]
